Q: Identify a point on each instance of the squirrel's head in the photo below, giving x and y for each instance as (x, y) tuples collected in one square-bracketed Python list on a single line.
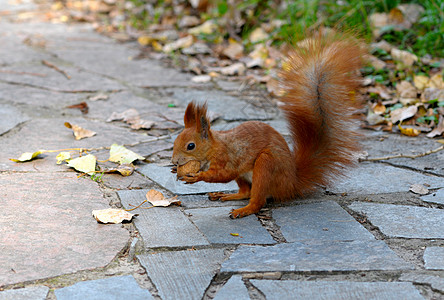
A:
[(194, 142)]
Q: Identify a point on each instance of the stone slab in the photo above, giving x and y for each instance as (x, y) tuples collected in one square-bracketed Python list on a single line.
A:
[(319, 221), (379, 144), (403, 220), (30, 293), (10, 117), (315, 256), (376, 178), (436, 282), (435, 197), (233, 289), (216, 225), (434, 258), (164, 177), (336, 290), (121, 287), (182, 274), (51, 134), (162, 226), (80, 80), (230, 108), (42, 211)]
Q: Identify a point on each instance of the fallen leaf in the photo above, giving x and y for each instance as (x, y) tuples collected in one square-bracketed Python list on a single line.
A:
[(234, 50), (112, 215), (234, 69), (258, 35), (144, 40), (407, 58), (421, 81), (201, 79), (403, 113), (419, 189), (122, 155), (156, 198), (234, 234), (436, 81), (27, 156), (140, 123), (85, 164), (439, 130), (179, 44), (208, 27), (379, 108), (406, 90), (63, 156), (79, 132), (99, 96), (409, 131), (127, 115)]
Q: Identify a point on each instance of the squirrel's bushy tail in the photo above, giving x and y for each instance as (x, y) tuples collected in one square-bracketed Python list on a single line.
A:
[(320, 82)]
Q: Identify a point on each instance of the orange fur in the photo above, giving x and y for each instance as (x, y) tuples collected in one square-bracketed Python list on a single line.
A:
[(320, 86)]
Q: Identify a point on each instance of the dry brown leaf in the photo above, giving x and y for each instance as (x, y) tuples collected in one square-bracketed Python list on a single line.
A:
[(403, 113), (419, 189), (127, 115), (406, 90), (156, 198), (179, 44), (234, 69), (439, 130), (407, 58), (234, 50), (112, 215), (258, 35), (82, 106), (379, 108), (436, 81), (79, 132), (421, 81)]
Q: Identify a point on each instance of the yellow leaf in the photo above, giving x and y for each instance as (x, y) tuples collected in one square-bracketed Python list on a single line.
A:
[(409, 131), (62, 156), (122, 155), (421, 81), (79, 132), (85, 164), (112, 215), (436, 81), (144, 40), (27, 156)]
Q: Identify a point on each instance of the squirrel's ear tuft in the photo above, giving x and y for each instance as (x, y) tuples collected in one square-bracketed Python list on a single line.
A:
[(190, 115), (202, 121)]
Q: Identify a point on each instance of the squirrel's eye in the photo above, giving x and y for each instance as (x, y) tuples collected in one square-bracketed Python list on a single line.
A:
[(191, 146)]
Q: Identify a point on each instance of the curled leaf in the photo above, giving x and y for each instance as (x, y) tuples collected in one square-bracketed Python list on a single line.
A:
[(79, 132), (112, 215), (156, 198), (122, 155), (85, 164), (124, 170), (27, 156), (63, 156), (409, 131)]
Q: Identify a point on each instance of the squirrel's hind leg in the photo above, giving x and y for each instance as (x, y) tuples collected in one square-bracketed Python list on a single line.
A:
[(242, 194)]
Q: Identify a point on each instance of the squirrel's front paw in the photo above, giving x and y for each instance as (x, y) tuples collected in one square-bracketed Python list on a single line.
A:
[(190, 178), (242, 212)]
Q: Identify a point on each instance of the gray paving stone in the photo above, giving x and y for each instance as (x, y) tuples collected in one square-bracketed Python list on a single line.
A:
[(336, 290), (403, 220), (42, 211), (436, 282), (217, 227), (164, 177), (435, 197), (80, 80), (17, 6), (315, 256), (182, 274), (319, 221), (233, 289), (30, 293), (374, 178), (121, 287), (10, 117), (14, 50), (162, 226), (51, 134), (231, 108), (434, 258), (379, 144), (117, 61)]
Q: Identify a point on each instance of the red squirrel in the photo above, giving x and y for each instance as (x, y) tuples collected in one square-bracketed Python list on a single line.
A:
[(320, 81)]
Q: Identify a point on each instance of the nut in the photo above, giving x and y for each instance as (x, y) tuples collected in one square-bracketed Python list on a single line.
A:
[(192, 166)]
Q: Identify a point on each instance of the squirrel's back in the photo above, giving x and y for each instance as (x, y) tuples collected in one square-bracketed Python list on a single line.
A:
[(320, 82)]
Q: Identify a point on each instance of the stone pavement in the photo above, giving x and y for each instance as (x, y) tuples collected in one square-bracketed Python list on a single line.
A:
[(366, 237)]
